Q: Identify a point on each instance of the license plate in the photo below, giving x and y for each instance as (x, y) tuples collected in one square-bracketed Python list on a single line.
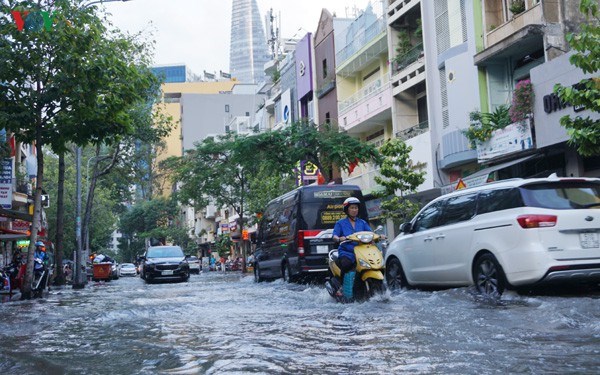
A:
[(165, 273), (589, 240), (322, 249)]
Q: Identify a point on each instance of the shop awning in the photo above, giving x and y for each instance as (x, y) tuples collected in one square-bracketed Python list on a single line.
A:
[(11, 237), (16, 215)]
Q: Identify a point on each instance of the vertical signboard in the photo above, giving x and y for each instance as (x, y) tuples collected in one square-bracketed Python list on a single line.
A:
[(6, 167), (304, 66)]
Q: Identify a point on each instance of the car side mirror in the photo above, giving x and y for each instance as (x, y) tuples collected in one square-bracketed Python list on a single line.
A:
[(406, 227)]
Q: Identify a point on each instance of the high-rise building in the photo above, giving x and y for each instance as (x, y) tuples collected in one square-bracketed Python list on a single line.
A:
[(248, 51), (175, 73)]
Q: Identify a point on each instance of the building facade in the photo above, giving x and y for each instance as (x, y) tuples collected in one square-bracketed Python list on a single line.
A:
[(363, 89)]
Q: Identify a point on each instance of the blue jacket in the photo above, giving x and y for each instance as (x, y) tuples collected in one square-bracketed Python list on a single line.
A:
[(344, 228), (41, 256)]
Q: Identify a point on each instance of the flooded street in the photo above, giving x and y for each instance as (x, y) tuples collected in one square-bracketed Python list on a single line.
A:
[(224, 323)]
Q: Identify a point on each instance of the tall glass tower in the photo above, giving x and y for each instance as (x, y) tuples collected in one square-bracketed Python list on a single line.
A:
[(248, 50)]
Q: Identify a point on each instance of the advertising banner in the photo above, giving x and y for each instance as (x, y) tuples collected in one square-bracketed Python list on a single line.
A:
[(512, 139)]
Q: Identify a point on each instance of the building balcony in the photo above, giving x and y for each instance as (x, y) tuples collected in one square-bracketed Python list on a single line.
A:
[(365, 48), (517, 33), (368, 108), (413, 131), (398, 8), (325, 88), (408, 69), (364, 177)]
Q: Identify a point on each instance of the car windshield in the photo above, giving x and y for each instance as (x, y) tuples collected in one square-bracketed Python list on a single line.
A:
[(562, 195), (165, 252), (192, 258), (127, 265)]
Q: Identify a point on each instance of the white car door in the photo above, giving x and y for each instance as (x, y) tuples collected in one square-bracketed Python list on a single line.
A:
[(417, 250), (452, 241)]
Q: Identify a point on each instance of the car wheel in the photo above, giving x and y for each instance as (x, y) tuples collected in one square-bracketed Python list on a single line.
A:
[(257, 276), (488, 276), (287, 273), (394, 275)]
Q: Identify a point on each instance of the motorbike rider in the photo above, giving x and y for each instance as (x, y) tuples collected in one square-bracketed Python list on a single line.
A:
[(342, 229), (40, 253)]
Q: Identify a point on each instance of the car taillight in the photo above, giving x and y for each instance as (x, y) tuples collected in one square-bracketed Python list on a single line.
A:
[(302, 234), (537, 221)]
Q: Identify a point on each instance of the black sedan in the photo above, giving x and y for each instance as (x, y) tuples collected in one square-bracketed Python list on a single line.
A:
[(164, 263)]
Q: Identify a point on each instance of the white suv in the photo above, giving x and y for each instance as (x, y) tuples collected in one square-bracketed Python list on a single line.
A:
[(508, 234)]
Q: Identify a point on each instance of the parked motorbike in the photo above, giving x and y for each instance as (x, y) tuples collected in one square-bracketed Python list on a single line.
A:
[(5, 287), (368, 279)]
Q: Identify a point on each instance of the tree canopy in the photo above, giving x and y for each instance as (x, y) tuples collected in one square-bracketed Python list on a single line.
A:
[(400, 178), (584, 133), (246, 171), (72, 81)]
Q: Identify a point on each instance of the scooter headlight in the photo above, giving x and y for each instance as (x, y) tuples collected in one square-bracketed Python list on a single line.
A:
[(364, 264), (366, 238)]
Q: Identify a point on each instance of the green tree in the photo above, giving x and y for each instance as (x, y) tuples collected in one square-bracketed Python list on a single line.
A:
[(103, 220), (265, 186), (71, 84), (224, 171), (323, 146), (155, 221), (223, 245), (400, 180), (584, 133), (134, 154)]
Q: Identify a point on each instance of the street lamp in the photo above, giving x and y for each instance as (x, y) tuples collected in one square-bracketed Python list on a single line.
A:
[(80, 274)]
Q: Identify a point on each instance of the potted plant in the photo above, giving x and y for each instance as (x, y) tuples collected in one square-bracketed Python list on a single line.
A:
[(522, 101), (483, 124), (404, 45), (517, 6)]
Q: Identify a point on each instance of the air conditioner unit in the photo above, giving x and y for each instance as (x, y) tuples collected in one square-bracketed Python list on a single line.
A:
[(210, 212)]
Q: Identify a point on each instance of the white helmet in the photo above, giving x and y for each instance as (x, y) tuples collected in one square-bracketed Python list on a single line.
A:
[(348, 202)]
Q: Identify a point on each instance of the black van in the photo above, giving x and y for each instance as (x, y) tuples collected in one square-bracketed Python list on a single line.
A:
[(294, 235)]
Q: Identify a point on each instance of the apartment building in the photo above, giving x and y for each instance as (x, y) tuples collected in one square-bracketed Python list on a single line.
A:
[(408, 34), (363, 89)]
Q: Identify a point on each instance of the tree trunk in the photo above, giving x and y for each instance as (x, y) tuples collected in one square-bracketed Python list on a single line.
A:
[(60, 221), (37, 215), (89, 205)]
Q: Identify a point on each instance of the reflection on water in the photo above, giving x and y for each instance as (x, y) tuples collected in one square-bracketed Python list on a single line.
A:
[(222, 323)]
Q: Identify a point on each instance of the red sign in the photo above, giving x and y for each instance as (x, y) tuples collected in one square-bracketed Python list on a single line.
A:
[(20, 225)]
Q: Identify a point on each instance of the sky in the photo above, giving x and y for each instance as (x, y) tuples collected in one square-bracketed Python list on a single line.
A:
[(196, 32)]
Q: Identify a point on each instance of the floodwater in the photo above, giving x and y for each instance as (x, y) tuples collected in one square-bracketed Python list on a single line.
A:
[(225, 323)]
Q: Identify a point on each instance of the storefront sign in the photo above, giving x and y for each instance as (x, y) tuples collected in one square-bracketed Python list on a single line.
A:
[(468, 182), (374, 208), (513, 138)]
